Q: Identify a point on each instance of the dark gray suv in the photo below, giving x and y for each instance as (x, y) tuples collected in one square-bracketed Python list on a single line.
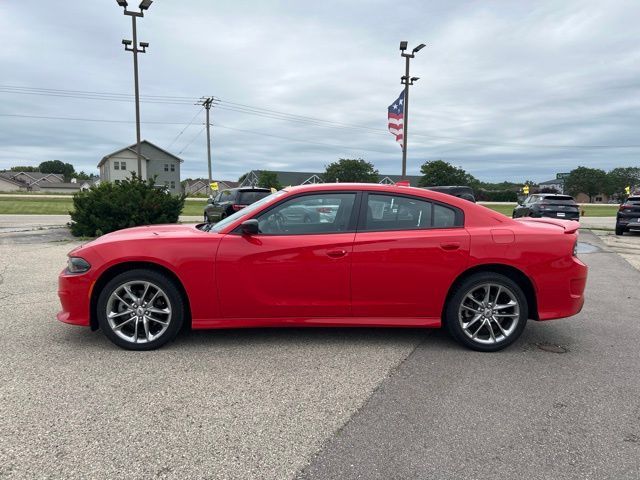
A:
[(548, 205), (628, 217), (228, 201)]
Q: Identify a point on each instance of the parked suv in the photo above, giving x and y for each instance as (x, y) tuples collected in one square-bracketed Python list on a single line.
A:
[(628, 217), (548, 205), (230, 200)]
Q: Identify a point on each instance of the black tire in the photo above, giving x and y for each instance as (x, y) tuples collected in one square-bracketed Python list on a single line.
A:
[(510, 289), (171, 298), (619, 230)]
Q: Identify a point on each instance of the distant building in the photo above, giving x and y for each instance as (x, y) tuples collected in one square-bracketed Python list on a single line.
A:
[(306, 178), (156, 162), (28, 181), (556, 184), (199, 186)]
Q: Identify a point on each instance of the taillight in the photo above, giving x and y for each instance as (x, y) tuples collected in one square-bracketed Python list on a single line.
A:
[(624, 207), (238, 207)]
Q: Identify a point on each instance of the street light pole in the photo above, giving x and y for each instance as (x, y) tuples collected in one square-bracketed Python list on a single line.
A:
[(406, 80), (133, 47)]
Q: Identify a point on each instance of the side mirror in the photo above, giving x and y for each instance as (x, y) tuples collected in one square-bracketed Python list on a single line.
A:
[(210, 201), (250, 227)]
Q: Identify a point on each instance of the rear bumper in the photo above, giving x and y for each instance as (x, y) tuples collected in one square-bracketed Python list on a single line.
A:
[(560, 289), (74, 292), (567, 216), (628, 223)]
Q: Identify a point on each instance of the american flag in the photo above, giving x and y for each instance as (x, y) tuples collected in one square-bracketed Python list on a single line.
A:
[(396, 118)]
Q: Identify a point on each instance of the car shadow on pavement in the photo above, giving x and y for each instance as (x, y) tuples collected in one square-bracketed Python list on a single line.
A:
[(535, 334)]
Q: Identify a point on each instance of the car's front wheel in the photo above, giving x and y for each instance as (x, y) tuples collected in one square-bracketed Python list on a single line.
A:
[(487, 312), (140, 309)]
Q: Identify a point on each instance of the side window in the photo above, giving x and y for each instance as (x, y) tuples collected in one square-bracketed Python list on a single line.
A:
[(226, 196), (443, 217), (173, 167), (166, 167), (388, 212), (123, 165), (116, 165), (308, 214)]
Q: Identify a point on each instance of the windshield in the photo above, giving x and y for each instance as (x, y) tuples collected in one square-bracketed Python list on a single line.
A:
[(244, 212)]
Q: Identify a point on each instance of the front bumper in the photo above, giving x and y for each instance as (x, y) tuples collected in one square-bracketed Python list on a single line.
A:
[(74, 291)]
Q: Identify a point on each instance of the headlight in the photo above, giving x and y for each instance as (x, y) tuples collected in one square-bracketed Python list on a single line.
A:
[(77, 265)]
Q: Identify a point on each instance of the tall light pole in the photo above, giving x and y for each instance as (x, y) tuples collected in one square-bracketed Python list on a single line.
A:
[(132, 46), (406, 80)]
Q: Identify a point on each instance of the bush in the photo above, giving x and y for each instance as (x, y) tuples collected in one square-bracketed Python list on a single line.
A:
[(496, 196), (113, 206)]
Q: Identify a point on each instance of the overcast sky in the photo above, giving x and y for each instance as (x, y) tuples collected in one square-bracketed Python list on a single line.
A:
[(508, 90)]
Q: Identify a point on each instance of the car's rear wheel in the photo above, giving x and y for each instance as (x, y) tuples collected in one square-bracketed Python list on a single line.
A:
[(487, 312), (140, 310), (619, 230)]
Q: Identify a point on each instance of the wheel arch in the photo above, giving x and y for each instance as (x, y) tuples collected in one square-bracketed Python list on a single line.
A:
[(119, 268), (510, 271)]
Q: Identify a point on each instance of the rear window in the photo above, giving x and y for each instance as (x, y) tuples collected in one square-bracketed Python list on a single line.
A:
[(560, 199), (633, 199), (247, 198)]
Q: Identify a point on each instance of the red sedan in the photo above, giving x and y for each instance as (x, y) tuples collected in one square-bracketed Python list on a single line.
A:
[(325, 255)]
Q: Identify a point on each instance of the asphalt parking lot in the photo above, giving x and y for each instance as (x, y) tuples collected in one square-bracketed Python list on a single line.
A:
[(563, 402)]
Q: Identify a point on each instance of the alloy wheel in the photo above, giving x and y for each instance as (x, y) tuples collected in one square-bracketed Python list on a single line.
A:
[(138, 311), (489, 313)]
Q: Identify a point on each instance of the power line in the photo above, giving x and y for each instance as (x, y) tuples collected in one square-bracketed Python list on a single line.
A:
[(277, 115), (192, 140), (183, 130)]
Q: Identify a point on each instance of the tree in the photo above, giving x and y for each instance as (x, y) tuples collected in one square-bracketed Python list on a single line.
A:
[(437, 173), (57, 166), (242, 177), (24, 169), (267, 179), (83, 176), (620, 178), (351, 170), (590, 181)]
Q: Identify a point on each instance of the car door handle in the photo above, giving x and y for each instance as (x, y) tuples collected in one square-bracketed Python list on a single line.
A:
[(336, 253), (450, 246)]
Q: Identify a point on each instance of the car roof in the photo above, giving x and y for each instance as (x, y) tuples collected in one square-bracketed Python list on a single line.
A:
[(261, 189), (382, 188)]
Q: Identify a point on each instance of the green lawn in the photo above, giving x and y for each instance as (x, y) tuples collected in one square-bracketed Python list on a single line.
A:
[(195, 207), (589, 210)]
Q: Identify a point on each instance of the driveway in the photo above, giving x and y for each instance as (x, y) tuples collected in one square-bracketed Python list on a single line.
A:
[(563, 402)]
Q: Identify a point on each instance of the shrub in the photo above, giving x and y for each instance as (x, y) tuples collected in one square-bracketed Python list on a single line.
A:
[(113, 206), (496, 196)]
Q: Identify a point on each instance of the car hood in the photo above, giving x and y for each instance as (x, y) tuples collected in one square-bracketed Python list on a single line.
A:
[(150, 231)]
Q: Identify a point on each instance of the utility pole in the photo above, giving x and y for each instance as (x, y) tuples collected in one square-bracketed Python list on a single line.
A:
[(406, 80), (206, 102), (132, 46)]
